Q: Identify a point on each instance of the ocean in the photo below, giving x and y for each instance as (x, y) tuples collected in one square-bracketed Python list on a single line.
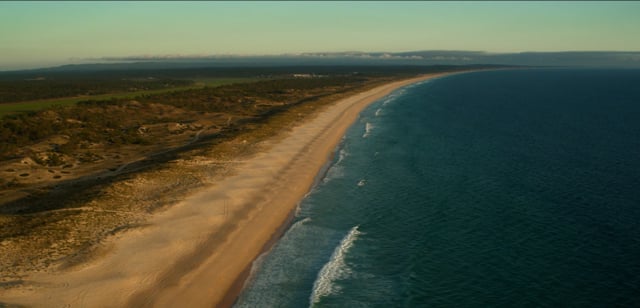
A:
[(483, 189)]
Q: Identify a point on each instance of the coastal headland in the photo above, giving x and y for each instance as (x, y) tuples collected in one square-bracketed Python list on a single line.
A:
[(199, 251)]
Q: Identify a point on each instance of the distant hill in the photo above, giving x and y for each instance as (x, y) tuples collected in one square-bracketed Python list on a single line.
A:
[(355, 58)]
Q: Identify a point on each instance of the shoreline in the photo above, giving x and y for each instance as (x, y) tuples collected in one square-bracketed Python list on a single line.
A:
[(200, 251), (240, 283)]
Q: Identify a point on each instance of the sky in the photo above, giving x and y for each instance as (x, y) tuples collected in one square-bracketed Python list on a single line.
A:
[(37, 34)]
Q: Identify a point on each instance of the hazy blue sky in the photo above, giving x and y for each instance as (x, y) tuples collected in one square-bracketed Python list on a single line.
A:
[(44, 33)]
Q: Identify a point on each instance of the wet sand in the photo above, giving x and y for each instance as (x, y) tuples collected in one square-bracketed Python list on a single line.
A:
[(198, 252)]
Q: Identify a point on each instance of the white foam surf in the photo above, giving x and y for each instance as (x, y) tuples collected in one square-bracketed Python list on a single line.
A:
[(259, 290), (257, 263), (341, 155), (336, 170), (367, 130), (335, 269), (378, 112)]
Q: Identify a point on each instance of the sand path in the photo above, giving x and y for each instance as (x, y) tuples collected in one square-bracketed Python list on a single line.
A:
[(192, 254)]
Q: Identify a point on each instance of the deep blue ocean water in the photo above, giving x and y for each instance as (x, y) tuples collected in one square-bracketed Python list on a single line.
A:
[(500, 188)]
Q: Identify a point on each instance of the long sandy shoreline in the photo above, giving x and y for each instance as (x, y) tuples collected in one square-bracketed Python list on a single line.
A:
[(197, 253)]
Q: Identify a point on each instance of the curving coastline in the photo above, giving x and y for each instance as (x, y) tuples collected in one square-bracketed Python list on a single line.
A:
[(199, 252)]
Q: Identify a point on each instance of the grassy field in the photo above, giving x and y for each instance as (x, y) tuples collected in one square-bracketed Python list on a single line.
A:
[(13, 108)]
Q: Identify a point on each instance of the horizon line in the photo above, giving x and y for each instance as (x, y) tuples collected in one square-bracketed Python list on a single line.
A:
[(414, 56)]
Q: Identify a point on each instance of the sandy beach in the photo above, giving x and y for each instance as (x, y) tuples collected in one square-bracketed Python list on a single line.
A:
[(199, 251)]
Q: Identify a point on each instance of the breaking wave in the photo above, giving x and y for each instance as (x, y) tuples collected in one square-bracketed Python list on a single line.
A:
[(367, 130), (335, 269)]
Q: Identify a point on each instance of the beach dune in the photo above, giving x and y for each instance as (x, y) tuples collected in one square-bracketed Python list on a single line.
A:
[(198, 252)]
